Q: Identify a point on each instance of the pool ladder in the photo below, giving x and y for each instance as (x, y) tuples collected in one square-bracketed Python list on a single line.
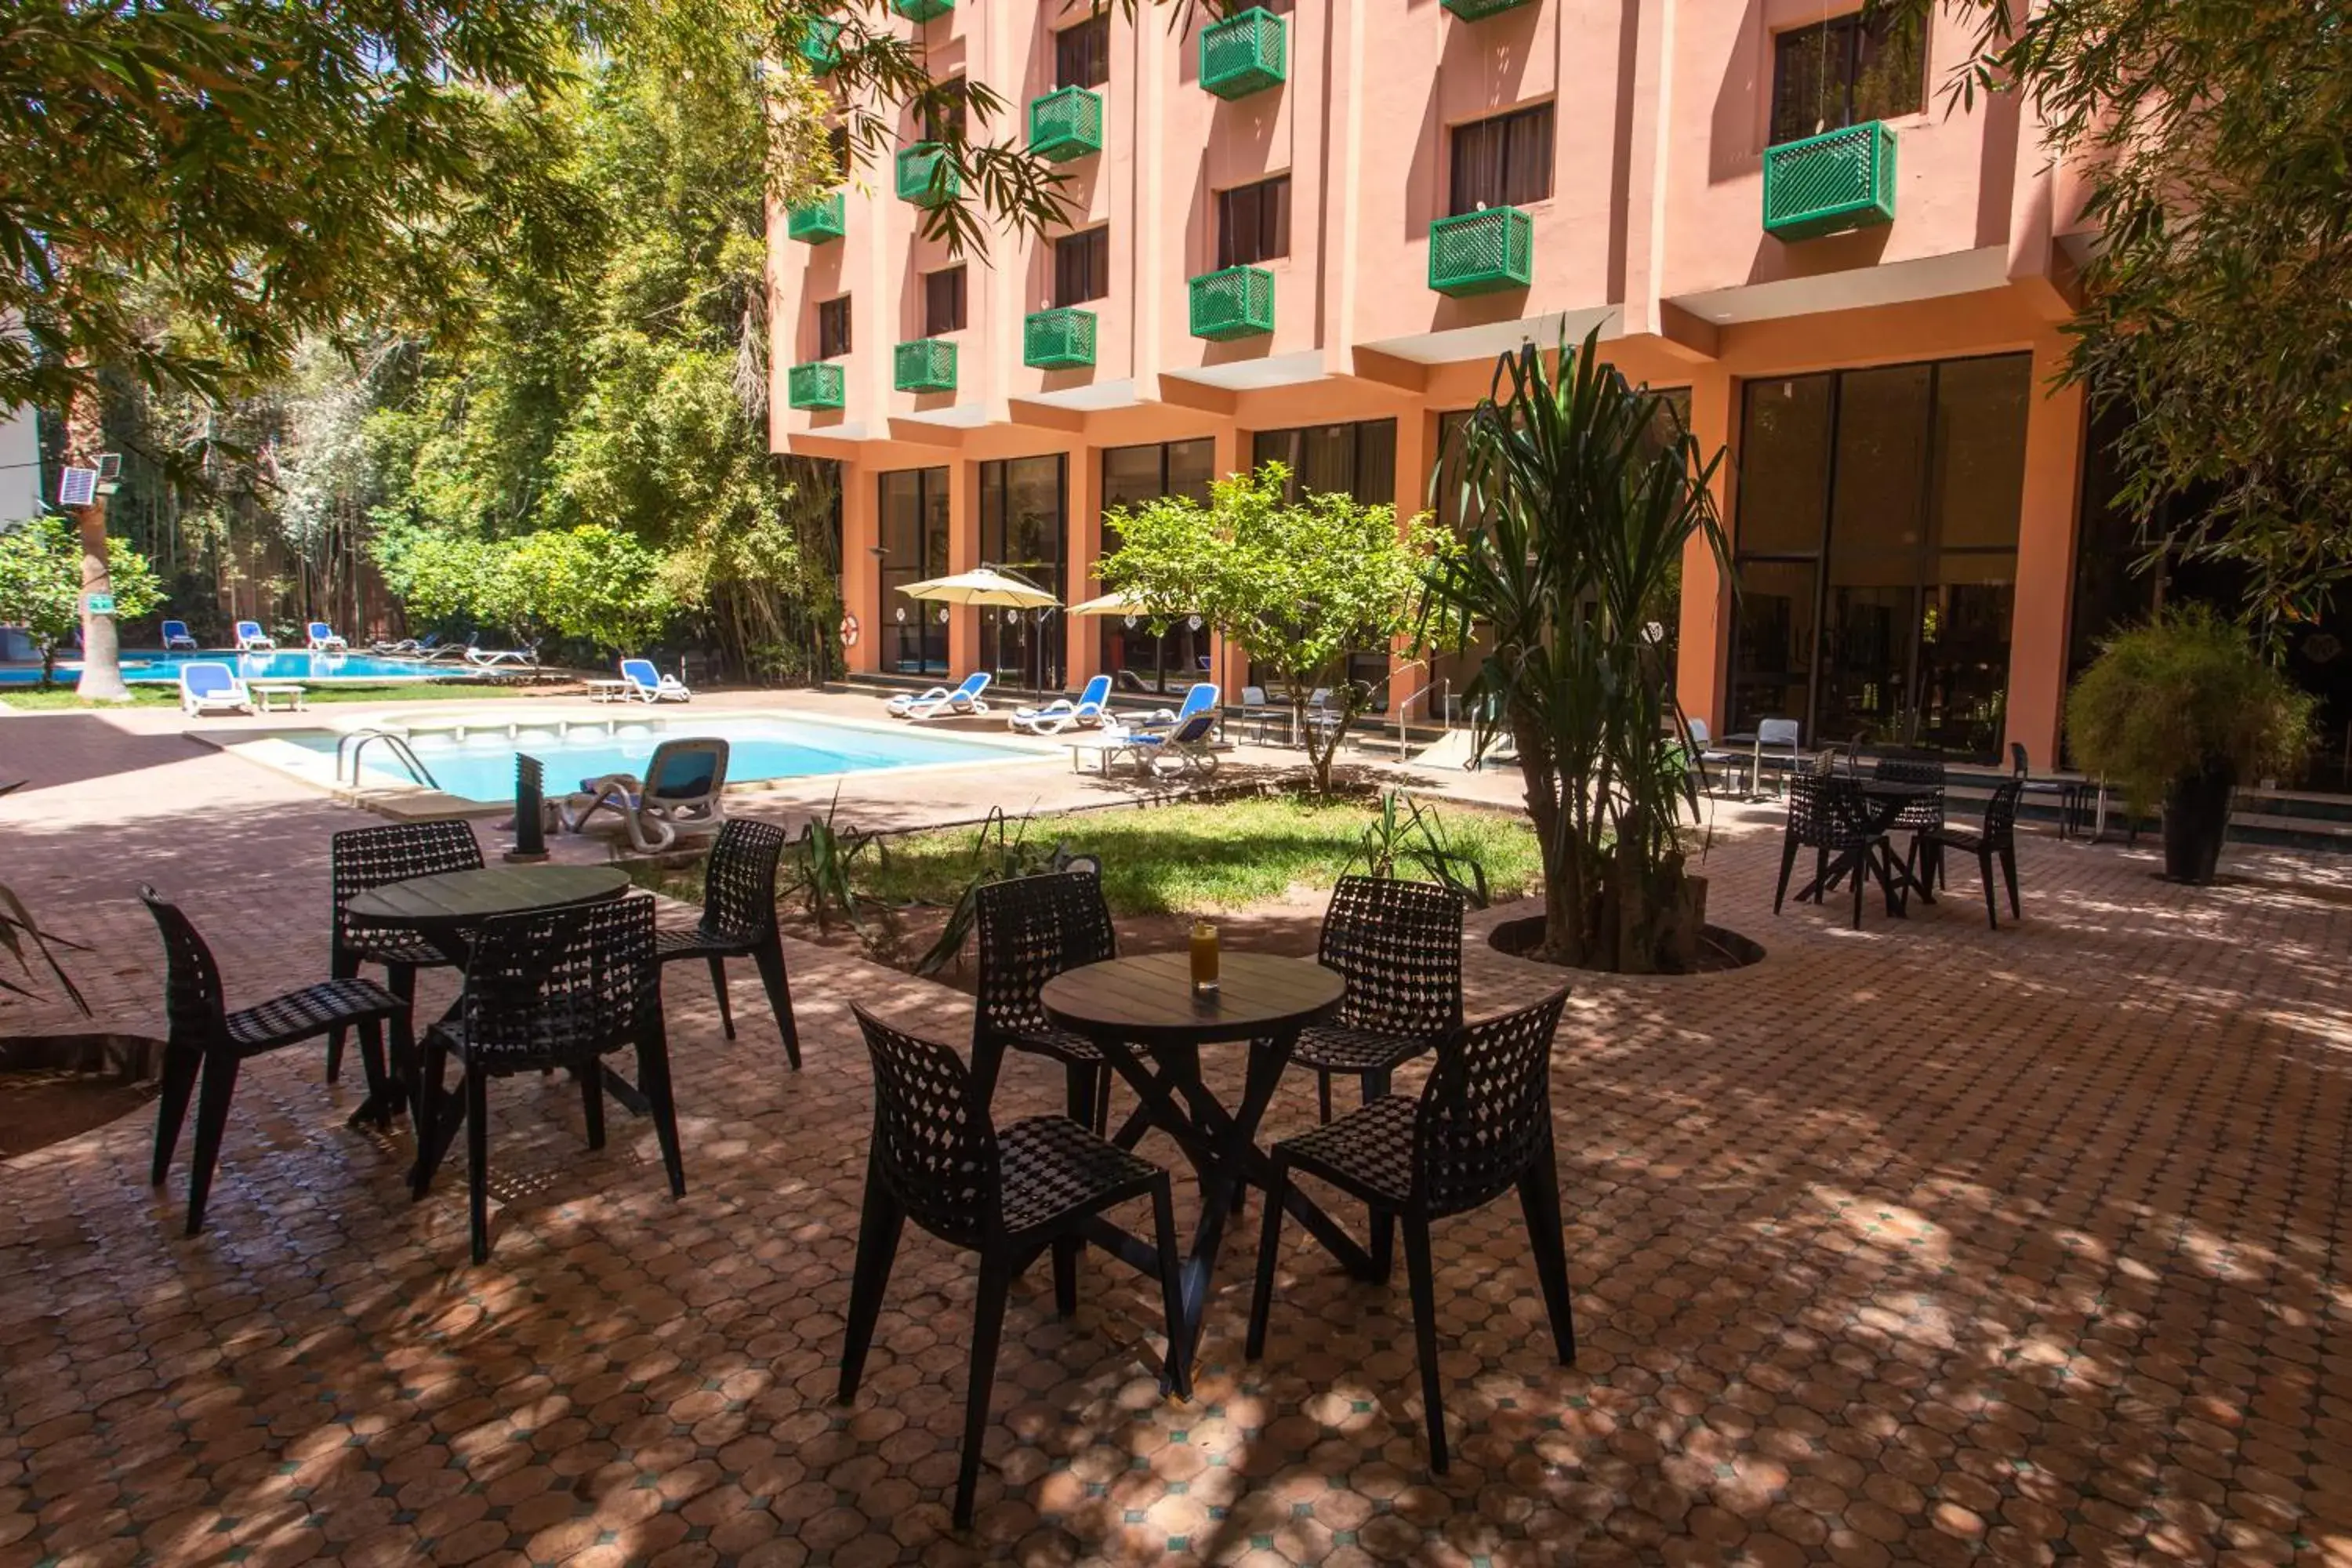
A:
[(354, 746)]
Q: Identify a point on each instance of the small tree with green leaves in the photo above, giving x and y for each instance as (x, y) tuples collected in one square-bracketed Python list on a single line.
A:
[(1297, 585), (40, 583)]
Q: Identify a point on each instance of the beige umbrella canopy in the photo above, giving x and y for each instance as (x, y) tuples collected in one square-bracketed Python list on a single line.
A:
[(982, 585), (1112, 603)]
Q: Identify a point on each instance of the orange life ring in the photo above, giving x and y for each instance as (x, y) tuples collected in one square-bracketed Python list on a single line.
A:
[(849, 631)]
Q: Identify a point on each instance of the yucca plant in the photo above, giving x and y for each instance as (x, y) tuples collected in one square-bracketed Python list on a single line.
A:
[(1584, 488)]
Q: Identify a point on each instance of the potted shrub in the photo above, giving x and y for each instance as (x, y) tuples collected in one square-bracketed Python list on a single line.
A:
[(2174, 712)]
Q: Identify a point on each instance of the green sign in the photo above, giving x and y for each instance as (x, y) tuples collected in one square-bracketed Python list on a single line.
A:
[(98, 604)]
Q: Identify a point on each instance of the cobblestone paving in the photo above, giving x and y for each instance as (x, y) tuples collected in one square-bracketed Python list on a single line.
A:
[(1923, 1244)]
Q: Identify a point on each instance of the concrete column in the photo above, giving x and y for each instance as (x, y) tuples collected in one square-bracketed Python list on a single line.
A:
[(2054, 431), (1083, 633), (1703, 641), (964, 554), (861, 530), (1417, 445)]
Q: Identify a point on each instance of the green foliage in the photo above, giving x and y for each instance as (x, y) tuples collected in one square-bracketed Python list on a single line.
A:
[(40, 583), (586, 584), (2213, 308), (1001, 850), (2180, 693), (1298, 586), (825, 862), (1406, 833), (1586, 489)]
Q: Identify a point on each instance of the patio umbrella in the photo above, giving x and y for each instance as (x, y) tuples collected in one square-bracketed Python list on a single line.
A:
[(982, 585)]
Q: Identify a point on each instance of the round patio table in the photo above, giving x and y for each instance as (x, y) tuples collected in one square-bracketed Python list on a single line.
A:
[(1142, 1014), (1883, 801), (442, 909)]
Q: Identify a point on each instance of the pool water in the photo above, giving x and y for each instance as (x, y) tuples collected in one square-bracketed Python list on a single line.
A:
[(293, 665), (482, 765)]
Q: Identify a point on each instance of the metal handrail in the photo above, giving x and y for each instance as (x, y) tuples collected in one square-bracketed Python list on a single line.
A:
[(1405, 707), (357, 741)]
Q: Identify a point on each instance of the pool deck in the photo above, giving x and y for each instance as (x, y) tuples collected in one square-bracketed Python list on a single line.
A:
[(1921, 1244)]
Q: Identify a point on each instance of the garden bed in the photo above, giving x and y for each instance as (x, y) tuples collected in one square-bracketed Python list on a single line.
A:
[(55, 1087)]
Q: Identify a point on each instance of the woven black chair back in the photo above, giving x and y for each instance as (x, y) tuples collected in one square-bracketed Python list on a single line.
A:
[(2001, 813), (1399, 945), (1824, 812), (1031, 930), (1919, 815), (1486, 1108), (738, 881), (363, 858), (195, 1004), (560, 987), (933, 1142)]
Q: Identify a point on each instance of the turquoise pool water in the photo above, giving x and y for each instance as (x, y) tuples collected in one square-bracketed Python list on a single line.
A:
[(482, 765), (296, 665)]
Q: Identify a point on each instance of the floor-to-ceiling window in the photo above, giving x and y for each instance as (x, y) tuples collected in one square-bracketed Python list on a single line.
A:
[(1136, 657), (1024, 531), (1357, 460), (914, 546), (1877, 550)]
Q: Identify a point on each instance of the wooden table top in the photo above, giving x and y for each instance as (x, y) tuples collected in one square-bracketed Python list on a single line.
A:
[(1148, 999), (464, 898)]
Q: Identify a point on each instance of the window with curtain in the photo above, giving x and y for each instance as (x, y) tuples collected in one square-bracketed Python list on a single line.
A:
[(1505, 162), (1134, 658), (943, 113), (1845, 72), (912, 545), (943, 301), (1024, 531), (836, 143), (832, 328), (1254, 222), (1082, 267), (1082, 53)]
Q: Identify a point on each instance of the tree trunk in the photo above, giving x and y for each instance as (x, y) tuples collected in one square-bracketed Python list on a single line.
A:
[(101, 661)]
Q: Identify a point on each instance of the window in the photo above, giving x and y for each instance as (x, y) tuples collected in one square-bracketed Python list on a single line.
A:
[(1877, 550), (914, 545), (1024, 530), (1082, 54), (943, 111), (1845, 72), (836, 142), (1254, 222), (832, 328), (1505, 162), (1135, 659), (1081, 267), (943, 301)]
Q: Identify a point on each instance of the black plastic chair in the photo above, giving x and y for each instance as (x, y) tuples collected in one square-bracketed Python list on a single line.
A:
[(360, 858), (1921, 817), (938, 1160), (559, 989), (739, 921), (1826, 815), (1996, 837), (1031, 928), (1481, 1127), (1399, 946), (207, 1041)]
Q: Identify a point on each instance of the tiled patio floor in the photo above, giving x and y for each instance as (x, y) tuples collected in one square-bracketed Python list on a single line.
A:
[(1922, 1244)]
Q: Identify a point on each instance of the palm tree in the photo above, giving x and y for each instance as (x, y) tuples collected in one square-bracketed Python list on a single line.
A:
[(1583, 490)]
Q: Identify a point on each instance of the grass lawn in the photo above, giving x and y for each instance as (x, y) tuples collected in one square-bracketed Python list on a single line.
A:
[(61, 698), (1200, 859)]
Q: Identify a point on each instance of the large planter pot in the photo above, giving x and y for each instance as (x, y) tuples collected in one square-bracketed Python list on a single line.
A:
[(2196, 818)]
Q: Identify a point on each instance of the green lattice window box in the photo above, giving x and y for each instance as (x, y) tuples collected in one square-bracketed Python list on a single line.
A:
[(821, 45), (1058, 340), (1840, 179), (819, 221), (927, 364), (1238, 302), (922, 10), (1065, 125), (818, 385), (1242, 55), (1479, 10), (927, 176), (1479, 253)]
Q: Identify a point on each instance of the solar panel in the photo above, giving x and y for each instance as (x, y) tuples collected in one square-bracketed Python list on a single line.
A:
[(78, 486)]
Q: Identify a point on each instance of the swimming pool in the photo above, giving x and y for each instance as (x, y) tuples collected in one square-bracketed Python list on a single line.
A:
[(481, 765), (291, 665)]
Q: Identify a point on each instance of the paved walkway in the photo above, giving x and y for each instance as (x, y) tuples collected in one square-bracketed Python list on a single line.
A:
[(1921, 1244)]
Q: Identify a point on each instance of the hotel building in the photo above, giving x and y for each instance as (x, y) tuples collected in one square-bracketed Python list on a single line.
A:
[(1307, 231)]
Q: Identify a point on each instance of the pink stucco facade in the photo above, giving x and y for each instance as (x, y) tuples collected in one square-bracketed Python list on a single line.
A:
[(1651, 232)]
